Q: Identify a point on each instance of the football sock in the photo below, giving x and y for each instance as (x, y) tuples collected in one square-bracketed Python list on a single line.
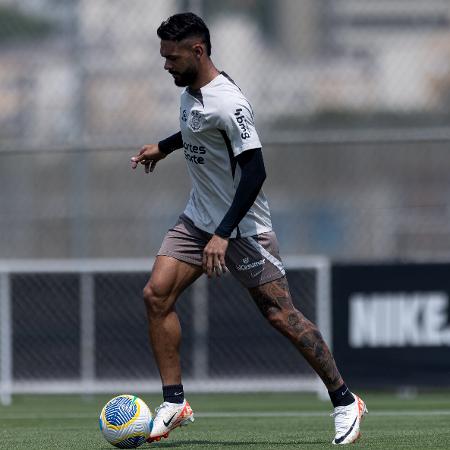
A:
[(342, 396), (173, 393)]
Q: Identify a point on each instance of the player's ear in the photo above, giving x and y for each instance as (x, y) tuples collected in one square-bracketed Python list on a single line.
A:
[(198, 50)]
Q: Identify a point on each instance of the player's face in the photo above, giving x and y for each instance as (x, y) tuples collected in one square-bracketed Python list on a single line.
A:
[(180, 62)]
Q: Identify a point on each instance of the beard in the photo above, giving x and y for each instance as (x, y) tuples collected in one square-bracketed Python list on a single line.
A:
[(186, 78)]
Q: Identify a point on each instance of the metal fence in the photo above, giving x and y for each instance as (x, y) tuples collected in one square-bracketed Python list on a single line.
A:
[(351, 100), (89, 73), (78, 326), (352, 201)]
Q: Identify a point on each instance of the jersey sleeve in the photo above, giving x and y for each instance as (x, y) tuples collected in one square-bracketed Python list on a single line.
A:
[(237, 121)]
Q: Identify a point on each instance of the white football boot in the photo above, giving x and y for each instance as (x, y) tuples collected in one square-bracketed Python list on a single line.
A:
[(168, 417), (347, 421)]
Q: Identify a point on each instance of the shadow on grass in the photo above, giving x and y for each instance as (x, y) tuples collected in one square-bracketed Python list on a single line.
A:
[(260, 444)]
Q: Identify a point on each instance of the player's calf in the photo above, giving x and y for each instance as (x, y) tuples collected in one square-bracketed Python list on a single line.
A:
[(274, 301)]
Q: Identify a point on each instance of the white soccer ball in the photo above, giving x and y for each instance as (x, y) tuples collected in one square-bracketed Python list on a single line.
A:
[(126, 421)]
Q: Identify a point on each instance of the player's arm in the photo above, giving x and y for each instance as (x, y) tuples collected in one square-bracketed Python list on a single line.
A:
[(150, 154), (235, 118), (253, 174), (171, 143)]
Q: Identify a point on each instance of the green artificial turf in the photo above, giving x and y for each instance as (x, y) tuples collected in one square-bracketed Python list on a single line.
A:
[(234, 421)]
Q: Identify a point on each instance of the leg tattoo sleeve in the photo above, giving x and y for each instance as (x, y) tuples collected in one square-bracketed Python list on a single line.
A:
[(274, 301)]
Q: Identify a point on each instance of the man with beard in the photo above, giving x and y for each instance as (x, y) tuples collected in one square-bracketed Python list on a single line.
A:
[(226, 225)]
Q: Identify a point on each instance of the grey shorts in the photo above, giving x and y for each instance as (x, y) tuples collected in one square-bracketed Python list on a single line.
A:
[(253, 260)]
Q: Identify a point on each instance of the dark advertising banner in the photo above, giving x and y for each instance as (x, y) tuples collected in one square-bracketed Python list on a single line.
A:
[(391, 324)]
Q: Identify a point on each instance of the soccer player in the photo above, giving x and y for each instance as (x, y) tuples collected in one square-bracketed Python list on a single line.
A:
[(226, 221)]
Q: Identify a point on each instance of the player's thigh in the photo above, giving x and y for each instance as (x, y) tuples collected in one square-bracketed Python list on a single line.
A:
[(169, 278), (178, 264), (272, 297)]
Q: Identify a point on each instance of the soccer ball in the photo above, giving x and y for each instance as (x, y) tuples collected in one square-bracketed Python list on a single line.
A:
[(126, 421)]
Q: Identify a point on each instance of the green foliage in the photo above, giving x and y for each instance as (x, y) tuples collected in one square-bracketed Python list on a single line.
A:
[(17, 26)]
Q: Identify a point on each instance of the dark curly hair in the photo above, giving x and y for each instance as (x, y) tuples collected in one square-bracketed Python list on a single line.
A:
[(182, 26)]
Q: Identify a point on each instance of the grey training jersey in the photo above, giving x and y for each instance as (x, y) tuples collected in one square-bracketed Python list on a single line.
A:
[(217, 125)]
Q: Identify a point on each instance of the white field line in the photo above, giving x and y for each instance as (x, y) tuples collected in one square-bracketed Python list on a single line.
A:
[(224, 415)]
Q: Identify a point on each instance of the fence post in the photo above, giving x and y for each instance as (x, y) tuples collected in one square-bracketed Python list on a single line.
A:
[(324, 307), (201, 326), (324, 312), (87, 331), (5, 340)]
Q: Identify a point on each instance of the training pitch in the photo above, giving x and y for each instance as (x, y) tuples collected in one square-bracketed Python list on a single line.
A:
[(234, 421)]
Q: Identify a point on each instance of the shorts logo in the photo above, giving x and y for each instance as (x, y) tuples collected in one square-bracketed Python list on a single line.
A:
[(255, 274), (247, 265), (195, 120)]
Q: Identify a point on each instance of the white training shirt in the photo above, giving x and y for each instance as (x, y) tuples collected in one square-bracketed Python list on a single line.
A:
[(217, 125)]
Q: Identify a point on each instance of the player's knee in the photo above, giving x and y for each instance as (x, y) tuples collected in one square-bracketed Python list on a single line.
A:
[(155, 300)]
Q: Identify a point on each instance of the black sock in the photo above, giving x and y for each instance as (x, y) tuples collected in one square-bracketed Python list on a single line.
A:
[(173, 393), (341, 397)]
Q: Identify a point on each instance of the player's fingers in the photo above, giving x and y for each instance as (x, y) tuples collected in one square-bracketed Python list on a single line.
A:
[(222, 263), (135, 160), (147, 166), (142, 150), (204, 261), (139, 157), (208, 265), (152, 166), (217, 265)]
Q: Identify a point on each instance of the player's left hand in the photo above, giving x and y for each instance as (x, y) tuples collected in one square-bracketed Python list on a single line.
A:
[(148, 156), (214, 256)]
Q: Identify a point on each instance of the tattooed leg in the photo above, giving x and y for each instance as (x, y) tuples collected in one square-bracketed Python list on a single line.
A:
[(274, 301)]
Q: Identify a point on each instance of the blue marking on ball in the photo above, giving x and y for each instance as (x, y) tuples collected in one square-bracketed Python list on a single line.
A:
[(132, 442), (120, 410)]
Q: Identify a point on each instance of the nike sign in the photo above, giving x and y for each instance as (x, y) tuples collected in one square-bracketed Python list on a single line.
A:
[(170, 420)]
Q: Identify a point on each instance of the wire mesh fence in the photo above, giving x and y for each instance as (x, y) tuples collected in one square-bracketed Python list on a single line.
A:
[(80, 326), (348, 201), (46, 326), (89, 73), (352, 101)]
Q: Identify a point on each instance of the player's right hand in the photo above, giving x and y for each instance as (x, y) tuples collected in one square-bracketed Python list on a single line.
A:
[(148, 156)]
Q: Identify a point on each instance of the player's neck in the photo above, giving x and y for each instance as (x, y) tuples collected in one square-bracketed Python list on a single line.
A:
[(205, 76)]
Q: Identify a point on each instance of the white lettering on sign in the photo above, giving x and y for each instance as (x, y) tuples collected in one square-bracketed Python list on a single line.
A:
[(399, 319)]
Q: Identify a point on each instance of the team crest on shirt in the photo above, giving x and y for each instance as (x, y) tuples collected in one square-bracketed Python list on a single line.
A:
[(195, 120)]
